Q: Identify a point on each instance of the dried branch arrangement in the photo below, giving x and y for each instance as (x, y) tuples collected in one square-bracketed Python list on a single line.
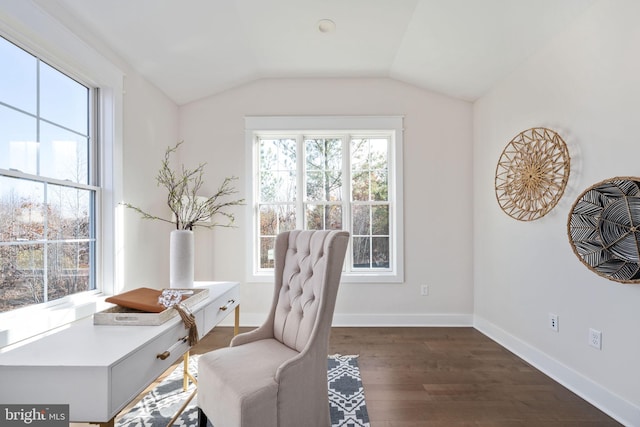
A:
[(604, 229), (189, 209), (532, 174)]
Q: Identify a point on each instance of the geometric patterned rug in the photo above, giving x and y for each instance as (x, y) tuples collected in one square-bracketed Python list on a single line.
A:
[(346, 394), (346, 398)]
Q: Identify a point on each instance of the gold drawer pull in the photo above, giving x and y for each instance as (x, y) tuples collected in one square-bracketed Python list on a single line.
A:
[(229, 304), (167, 352)]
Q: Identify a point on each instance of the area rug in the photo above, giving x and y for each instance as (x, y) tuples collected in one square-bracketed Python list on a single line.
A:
[(157, 408)]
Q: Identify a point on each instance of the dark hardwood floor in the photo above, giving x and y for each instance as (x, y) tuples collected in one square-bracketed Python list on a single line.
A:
[(442, 377)]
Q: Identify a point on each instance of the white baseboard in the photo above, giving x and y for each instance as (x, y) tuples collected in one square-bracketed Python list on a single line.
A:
[(616, 407), (399, 320), (372, 320)]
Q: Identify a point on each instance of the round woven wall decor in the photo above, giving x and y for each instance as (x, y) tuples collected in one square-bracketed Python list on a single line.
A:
[(532, 174), (604, 229)]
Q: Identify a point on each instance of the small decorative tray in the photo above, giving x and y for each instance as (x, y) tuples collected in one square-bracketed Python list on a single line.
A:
[(118, 315)]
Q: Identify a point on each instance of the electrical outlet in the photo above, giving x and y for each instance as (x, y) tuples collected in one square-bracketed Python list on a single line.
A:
[(553, 322), (424, 290), (595, 338)]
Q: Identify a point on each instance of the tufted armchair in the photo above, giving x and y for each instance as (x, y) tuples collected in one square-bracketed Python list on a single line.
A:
[(276, 375)]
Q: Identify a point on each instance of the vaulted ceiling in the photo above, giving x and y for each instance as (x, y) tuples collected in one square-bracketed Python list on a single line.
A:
[(195, 48)]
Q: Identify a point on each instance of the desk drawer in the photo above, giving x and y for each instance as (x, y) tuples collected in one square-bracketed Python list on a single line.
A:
[(134, 373), (222, 307)]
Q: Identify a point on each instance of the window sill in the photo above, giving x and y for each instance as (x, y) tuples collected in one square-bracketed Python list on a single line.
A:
[(374, 277), (27, 322)]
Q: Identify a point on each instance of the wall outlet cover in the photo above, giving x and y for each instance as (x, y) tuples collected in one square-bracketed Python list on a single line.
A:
[(595, 338), (553, 322)]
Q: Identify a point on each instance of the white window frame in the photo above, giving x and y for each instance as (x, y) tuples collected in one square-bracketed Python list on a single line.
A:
[(37, 32), (323, 125)]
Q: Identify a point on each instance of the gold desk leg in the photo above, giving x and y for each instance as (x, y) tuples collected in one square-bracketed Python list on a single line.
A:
[(186, 376), (185, 372), (236, 325)]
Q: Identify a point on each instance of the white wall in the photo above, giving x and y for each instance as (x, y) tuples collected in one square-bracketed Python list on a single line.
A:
[(437, 189), (150, 126), (586, 86)]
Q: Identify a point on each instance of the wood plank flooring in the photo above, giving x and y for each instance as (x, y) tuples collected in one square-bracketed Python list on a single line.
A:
[(448, 377)]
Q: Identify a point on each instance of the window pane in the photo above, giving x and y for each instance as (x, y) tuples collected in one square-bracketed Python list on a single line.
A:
[(63, 100), (21, 210), (278, 186), (287, 218), (277, 170), (361, 252), (268, 186), (360, 186), (21, 276), (316, 186), (288, 188), (268, 152), (380, 216), (268, 220), (324, 217), (379, 185), (324, 169), (277, 154), (287, 154), (63, 154), (334, 217), (378, 153), (361, 220), (275, 219), (69, 213), (334, 186), (314, 151), (323, 153), (267, 256), (359, 154), (68, 268), (18, 141), (380, 252), (315, 217), (18, 81), (370, 169), (324, 186)]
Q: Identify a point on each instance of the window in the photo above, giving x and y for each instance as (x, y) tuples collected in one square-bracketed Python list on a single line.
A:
[(48, 191), (64, 177), (322, 173)]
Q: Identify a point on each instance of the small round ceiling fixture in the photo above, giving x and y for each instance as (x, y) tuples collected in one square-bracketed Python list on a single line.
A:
[(326, 25)]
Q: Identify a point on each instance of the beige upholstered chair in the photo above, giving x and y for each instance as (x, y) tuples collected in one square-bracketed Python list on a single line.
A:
[(276, 375)]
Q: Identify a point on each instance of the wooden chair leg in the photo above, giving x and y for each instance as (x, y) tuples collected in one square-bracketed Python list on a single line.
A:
[(202, 418)]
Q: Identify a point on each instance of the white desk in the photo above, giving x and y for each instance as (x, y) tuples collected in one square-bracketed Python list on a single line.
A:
[(99, 369)]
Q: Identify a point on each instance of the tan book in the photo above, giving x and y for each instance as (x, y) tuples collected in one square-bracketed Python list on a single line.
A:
[(144, 299)]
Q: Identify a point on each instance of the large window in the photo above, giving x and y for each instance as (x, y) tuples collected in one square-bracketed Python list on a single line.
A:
[(48, 190), (329, 173)]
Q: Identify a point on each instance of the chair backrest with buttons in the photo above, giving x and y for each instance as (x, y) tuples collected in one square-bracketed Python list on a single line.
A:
[(308, 266)]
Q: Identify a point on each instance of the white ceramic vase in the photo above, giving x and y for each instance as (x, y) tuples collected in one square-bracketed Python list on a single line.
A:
[(181, 259)]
